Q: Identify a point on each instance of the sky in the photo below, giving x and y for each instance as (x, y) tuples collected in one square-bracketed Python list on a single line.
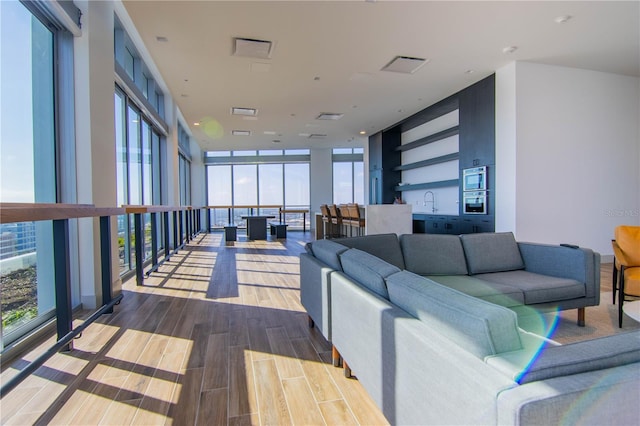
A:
[(16, 116)]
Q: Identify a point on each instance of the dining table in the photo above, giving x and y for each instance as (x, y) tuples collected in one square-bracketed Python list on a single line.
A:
[(257, 226)]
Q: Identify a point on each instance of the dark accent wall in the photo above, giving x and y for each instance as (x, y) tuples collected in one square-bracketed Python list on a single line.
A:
[(476, 133)]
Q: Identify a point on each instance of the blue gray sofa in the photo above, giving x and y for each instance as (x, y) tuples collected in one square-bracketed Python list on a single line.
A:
[(429, 353), (525, 277)]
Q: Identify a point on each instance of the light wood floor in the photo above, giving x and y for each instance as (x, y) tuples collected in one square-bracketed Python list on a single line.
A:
[(216, 336)]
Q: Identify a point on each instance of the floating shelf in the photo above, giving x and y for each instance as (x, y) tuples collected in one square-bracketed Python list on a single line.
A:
[(428, 185), (429, 162), (429, 139)]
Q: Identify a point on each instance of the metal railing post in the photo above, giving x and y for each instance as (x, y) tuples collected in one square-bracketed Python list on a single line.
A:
[(105, 257), (64, 316), (137, 226)]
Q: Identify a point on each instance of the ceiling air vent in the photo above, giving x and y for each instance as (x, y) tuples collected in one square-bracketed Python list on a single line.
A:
[(405, 64), (329, 116), (249, 112), (317, 136), (252, 48)]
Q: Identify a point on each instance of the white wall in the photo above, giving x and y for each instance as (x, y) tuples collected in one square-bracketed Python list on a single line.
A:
[(95, 146), (320, 180), (577, 142), (505, 169)]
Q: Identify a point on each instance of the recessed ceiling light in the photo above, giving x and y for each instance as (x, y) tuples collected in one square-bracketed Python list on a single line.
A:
[(249, 112), (252, 48), (363, 132), (405, 64), (241, 132), (562, 19), (162, 39), (329, 116), (269, 132), (196, 123), (509, 49)]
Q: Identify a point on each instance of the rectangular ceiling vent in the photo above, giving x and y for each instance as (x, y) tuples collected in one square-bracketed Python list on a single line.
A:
[(248, 112), (252, 48), (241, 132), (405, 64), (317, 136), (329, 116)]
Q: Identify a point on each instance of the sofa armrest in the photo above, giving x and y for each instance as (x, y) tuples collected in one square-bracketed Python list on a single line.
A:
[(315, 292), (608, 396), (580, 264)]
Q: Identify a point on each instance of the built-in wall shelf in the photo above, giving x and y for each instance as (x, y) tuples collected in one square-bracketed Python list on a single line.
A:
[(429, 139), (428, 185), (429, 162)]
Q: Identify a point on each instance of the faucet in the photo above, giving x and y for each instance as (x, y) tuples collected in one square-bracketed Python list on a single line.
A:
[(432, 201)]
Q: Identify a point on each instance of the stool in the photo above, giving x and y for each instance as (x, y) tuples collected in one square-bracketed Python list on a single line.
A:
[(231, 233), (278, 229)]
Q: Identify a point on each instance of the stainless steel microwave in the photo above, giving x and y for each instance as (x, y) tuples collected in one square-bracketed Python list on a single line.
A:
[(474, 179), (474, 202)]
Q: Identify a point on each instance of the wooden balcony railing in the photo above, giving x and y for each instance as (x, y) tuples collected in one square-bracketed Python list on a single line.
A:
[(60, 214)]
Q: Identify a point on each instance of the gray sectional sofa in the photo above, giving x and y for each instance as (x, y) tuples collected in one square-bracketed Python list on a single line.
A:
[(434, 341)]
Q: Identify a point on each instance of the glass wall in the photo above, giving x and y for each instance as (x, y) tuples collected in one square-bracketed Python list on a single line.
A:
[(348, 176), (263, 179), (28, 148), (138, 150), (140, 127)]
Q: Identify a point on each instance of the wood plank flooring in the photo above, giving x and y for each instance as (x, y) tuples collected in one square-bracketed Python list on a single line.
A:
[(216, 337)]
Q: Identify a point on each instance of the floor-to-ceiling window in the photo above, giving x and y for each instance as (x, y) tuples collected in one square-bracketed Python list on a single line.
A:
[(266, 179), (29, 158), (138, 148), (184, 166), (140, 131), (348, 175)]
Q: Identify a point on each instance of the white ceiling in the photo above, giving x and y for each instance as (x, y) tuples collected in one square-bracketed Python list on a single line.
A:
[(328, 56)]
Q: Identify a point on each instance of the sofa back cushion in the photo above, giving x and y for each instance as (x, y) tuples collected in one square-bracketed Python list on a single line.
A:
[(384, 246), (433, 254), (480, 327), (491, 252), (327, 251), (580, 357), (368, 270)]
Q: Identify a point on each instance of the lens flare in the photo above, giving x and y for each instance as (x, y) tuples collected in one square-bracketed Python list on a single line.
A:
[(211, 127)]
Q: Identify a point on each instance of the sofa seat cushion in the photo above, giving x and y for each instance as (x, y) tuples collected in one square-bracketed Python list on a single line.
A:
[(491, 252), (500, 294), (327, 251), (538, 288), (580, 357), (368, 270), (384, 246), (433, 254), (480, 327)]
